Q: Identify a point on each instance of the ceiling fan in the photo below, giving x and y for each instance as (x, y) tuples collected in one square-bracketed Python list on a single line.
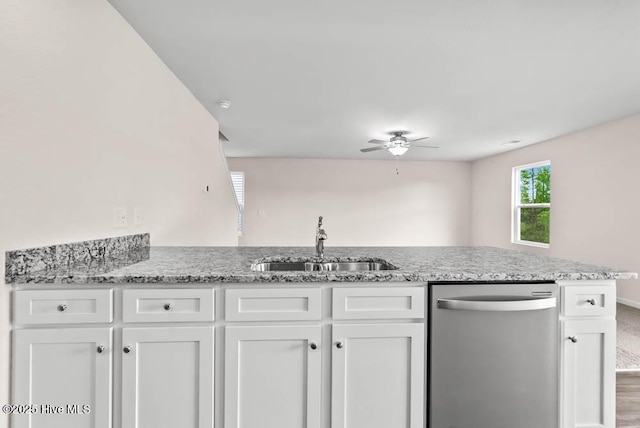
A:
[(397, 145)]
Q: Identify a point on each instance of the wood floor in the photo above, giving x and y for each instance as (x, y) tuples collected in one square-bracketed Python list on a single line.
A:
[(628, 400)]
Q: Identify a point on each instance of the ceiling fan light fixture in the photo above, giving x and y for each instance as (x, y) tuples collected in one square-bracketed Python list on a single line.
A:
[(398, 150), (397, 145)]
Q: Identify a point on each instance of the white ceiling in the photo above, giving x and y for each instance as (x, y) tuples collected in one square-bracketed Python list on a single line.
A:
[(318, 78)]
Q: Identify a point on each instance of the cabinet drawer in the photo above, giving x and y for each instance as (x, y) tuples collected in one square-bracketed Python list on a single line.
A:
[(272, 304), (588, 301), (378, 303), (62, 306), (167, 305)]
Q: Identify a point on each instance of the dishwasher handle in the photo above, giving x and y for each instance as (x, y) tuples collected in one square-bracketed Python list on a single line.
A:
[(497, 305)]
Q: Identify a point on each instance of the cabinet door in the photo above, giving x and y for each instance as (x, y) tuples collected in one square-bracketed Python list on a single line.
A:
[(272, 377), (589, 373), (378, 376), (167, 377), (66, 374)]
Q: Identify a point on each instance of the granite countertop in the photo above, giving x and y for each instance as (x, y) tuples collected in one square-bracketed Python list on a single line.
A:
[(232, 265)]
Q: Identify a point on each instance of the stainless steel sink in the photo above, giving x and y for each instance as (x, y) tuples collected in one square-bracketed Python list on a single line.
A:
[(352, 266), (322, 266), (278, 266)]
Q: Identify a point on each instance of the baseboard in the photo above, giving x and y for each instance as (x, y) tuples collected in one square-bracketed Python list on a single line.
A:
[(628, 302)]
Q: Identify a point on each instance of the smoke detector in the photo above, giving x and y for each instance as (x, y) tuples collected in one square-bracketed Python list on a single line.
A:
[(224, 103)]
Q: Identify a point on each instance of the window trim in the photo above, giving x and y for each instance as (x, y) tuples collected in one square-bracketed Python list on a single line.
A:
[(516, 205)]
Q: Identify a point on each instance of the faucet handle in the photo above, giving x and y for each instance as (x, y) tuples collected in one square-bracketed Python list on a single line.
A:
[(321, 235)]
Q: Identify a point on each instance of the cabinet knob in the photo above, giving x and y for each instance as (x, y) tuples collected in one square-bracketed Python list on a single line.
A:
[(127, 349), (167, 306), (313, 346), (592, 301), (62, 307), (339, 345), (573, 339), (100, 349)]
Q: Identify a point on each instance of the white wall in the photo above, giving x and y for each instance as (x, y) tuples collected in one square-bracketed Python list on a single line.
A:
[(595, 203), (363, 202), (91, 119)]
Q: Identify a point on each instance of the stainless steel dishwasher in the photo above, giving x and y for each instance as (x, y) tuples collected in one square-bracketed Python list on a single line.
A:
[(493, 356)]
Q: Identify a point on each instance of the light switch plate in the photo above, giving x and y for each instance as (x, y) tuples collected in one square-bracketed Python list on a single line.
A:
[(120, 217), (137, 217)]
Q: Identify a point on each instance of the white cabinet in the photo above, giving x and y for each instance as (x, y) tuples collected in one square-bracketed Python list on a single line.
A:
[(299, 357), (588, 348), (167, 377), (272, 376), (589, 364), (168, 305), (378, 303), (166, 373), (272, 372), (291, 304), (65, 374), (372, 372), (62, 306), (378, 376), (378, 369)]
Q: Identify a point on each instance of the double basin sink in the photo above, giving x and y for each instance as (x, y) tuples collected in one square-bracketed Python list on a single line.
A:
[(322, 266)]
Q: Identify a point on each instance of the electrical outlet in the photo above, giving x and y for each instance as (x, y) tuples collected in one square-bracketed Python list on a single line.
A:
[(120, 217), (137, 216)]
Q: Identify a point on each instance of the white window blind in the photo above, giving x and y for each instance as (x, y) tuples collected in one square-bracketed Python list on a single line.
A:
[(237, 178)]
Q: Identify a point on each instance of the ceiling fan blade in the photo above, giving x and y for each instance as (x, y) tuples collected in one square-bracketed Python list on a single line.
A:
[(426, 147), (378, 142), (417, 139), (372, 149)]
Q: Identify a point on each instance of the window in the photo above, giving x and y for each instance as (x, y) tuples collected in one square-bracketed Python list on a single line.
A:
[(237, 178), (532, 204)]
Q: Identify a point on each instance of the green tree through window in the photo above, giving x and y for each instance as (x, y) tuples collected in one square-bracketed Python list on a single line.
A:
[(533, 207)]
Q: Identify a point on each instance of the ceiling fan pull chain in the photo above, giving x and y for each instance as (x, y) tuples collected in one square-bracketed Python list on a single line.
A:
[(397, 160)]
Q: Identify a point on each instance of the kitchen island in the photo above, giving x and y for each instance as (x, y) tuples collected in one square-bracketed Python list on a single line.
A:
[(192, 337)]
